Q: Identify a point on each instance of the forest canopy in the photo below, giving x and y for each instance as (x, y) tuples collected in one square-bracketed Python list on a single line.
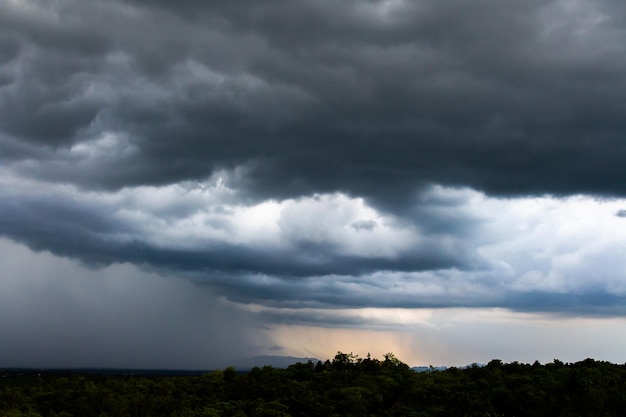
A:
[(347, 385)]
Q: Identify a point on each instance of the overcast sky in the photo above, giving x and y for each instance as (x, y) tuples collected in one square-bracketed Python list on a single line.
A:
[(187, 183)]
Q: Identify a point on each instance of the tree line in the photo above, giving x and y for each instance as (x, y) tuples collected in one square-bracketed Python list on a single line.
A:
[(347, 385)]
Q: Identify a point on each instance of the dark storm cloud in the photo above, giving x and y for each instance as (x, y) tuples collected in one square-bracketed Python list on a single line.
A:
[(411, 292), (593, 303), (370, 98)]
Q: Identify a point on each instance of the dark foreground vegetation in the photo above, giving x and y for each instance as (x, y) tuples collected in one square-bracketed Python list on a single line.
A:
[(345, 386)]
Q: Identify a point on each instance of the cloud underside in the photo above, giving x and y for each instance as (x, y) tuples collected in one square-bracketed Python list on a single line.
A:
[(457, 248), (371, 99), (313, 154)]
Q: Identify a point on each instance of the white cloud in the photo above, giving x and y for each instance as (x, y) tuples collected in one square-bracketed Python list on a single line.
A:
[(561, 245), (329, 220)]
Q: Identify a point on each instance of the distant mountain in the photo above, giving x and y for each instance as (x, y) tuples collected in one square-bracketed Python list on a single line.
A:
[(429, 368), (443, 368), (244, 364)]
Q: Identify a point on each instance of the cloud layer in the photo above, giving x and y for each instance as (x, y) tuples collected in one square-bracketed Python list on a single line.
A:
[(457, 248), (368, 98), (305, 158)]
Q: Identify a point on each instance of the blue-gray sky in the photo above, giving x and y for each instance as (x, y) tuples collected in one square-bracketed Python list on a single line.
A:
[(222, 178)]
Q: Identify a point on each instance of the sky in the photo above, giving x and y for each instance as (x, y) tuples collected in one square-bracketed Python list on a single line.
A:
[(184, 184)]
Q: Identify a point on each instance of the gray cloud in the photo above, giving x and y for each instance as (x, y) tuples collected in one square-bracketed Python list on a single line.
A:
[(505, 97), (284, 102), (364, 225), (276, 348)]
